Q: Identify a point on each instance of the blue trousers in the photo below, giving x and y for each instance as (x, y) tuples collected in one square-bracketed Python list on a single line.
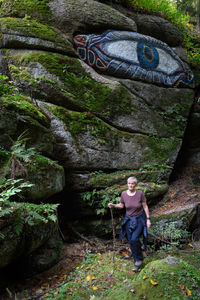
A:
[(134, 239)]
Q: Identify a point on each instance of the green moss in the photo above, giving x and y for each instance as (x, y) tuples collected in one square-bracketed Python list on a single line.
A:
[(20, 74), (44, 163), (23, 104), (103, 180), (175, 119), (115, 280), (24, 8), (79, 122), (31, 28), (83, 90), (161, 148)]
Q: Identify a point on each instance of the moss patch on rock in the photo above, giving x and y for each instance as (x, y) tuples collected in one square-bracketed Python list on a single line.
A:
[(99, 199), (102, 180), (46, 175), (83, 90), (23, 104), (31, 28), (24, 8), (170, 277), (79, 122), (162, 149)]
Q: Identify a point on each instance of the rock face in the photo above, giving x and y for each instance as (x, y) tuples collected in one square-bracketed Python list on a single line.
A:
[(36, 248), (78, 120)]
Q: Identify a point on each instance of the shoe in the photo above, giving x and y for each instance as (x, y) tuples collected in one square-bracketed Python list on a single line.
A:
[(137, 266)]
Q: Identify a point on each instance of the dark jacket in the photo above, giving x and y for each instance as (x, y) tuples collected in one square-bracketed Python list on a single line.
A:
[(133, 224)]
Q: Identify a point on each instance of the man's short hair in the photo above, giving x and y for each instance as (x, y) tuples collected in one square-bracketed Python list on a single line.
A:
[(133, 179)]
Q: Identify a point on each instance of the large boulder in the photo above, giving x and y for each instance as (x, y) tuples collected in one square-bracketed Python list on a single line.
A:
[(24, 233), (173, 227), (78, 15), (159, 28)]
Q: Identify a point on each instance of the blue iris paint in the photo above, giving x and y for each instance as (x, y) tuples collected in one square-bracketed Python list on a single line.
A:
[(148, 56)]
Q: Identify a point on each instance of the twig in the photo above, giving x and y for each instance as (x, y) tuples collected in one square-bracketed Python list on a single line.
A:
[(59, 229), (160, 239), (113, 230), (80, 235)]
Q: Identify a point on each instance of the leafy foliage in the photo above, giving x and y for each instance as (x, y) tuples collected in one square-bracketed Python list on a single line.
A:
[(20, 154), (171, 233), (12, 187), (100, 200), (6, 86), (23, 213)]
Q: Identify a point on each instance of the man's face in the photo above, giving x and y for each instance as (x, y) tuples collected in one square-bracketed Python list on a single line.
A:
[(131, 184)]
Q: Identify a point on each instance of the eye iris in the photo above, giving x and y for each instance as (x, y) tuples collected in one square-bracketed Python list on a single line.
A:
[(147, 55)]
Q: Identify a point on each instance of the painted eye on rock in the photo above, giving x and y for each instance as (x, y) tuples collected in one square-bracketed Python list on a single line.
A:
[(135, 56), (142, 54)]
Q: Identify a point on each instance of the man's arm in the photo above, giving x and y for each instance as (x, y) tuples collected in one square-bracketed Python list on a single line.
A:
[(119, 205), (146, 209)]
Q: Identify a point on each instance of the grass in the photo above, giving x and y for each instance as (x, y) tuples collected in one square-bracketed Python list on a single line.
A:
[(98, 277)]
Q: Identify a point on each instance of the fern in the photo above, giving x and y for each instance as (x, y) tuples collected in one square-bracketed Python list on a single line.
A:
[(20, 154), (19, 223)]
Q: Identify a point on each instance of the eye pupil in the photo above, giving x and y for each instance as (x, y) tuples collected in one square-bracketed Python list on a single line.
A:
[(147, 55)]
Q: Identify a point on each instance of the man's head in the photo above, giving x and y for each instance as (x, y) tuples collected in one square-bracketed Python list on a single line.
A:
[(131, 182)]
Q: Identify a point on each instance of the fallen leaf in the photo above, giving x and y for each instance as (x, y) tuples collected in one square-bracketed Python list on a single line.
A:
[(124, 253), (88, 278), (188, 292), (95, 288), (145, 277), (153, 282), (181, 286)]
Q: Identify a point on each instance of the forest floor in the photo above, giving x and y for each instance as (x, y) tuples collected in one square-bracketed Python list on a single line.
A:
[(184, 191)]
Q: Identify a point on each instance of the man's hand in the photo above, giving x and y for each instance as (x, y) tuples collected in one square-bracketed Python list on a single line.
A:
[(148, 223), (110, 205)]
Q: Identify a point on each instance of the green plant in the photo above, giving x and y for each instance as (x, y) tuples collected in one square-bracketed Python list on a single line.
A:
[(156, 167), (19, 155), (170, 234), (12, 187), (23, 213), (100, 199), (6, 86)]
